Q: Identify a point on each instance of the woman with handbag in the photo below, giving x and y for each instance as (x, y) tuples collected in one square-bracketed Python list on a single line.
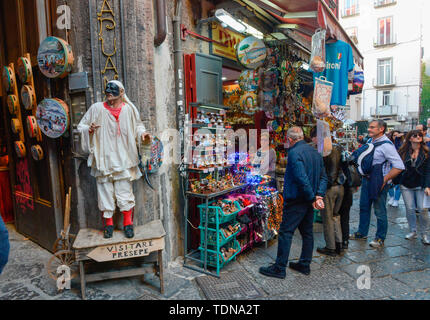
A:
[(415, 183)]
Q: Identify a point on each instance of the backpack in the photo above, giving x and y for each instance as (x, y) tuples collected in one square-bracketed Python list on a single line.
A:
[(362, 158)]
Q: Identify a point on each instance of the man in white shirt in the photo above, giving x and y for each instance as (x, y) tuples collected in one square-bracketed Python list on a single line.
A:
[(111, 132)]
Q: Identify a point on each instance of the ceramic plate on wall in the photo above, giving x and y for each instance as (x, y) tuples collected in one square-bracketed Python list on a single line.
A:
[(53, 117), (55, 58), (251, 52)]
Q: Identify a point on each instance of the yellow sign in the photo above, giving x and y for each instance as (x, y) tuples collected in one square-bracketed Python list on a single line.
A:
[(229, 38)]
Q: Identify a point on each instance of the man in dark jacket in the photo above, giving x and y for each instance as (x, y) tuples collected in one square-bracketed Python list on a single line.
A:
[(4, 245), (305, 184)]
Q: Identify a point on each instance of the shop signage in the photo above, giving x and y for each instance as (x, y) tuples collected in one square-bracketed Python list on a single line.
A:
[(126, 250), (229, 38)]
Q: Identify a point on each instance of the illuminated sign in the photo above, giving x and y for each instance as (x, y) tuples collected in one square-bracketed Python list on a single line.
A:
[(229, 38)]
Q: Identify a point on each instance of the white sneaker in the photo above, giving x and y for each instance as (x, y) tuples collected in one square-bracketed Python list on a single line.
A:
[(410, 236), (377, 243), (395, 203), (426, 239), (390, 201)]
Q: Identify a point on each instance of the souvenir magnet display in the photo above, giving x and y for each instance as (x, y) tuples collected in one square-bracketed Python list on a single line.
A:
[(55, 58), (251, 52), (16, 126), (25, 73), (20, 149), (32, 127), (53, 117), (28, 97), (13, 104), (8, 79), (37, 152)]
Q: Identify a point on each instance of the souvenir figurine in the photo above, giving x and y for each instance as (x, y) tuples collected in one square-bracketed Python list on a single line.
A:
[(112, 132)]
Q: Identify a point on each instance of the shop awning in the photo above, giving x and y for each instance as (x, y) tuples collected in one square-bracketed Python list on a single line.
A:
[(309, 15)]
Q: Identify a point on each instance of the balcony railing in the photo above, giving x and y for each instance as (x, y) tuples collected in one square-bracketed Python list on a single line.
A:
[(383, 3), (388, 42), (383, 111), (380, 84), (351, 11)]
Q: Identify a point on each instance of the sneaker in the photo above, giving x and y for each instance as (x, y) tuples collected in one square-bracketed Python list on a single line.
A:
[(412, 235), (129, 231), (345, 245), (395, 204), (390, 201), (426, 239), (357, 236), (326, 251), (300, 268), (377, 243), (273, 271), (108, 232)]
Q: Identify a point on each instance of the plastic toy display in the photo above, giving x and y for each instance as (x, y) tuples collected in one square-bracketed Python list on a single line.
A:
[(55, 58)]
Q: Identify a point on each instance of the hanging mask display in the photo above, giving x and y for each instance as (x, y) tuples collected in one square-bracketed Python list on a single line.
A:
[(53, 117), (13, 104), (20, 149), (8, 79), (32, 127), (28, 97), (251, 52), (25, 73), (37, 152), (55, 58)]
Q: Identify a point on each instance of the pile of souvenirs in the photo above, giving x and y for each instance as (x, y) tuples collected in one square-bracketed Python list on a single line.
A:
[(210, 185)]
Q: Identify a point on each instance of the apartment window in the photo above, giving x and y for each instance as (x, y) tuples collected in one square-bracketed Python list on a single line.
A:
[(385, 72), (350, 8), (385, 103), (385, 31), (379, 3), (353, 34)]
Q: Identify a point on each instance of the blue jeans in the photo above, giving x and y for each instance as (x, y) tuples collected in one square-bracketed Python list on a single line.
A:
[(379, 206), (4, 245), (394, 192), (296, 216), (414, 200)]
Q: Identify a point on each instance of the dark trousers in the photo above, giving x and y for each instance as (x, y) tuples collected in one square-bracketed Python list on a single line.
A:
[(296, 216), (344, 210)]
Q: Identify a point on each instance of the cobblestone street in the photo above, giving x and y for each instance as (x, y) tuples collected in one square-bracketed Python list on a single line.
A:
[(401, 270)]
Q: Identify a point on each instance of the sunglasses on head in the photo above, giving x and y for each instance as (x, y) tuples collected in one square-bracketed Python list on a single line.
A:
[(416, 135)]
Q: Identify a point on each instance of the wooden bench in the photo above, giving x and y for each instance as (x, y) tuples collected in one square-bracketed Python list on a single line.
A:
[(91, 246)]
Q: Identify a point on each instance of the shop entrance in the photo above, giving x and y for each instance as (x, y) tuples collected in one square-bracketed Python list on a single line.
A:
[(36, 186)]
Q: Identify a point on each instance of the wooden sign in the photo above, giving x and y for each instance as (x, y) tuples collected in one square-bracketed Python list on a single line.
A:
[(126, 250), (229, 38)]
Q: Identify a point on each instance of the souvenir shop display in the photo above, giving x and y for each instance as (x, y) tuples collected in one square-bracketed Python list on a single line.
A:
[(251, 52), (53, 117), (24, 70), (9, 79), (357, 82), (20, 149), (37, 153), (28, 97), (317, 63), (13, 104), (325, 145), (322, 96), (32, 127), (55, 58), (16, 126), (249, 103)]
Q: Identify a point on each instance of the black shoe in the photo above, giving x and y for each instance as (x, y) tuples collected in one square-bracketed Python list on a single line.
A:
[(108, 232), (339, 248), (345, 245), (129, 231), (300, 268), (273, 271), (327, 251)]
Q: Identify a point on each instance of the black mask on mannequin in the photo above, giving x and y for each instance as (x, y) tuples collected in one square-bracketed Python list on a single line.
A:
[(112, 89)]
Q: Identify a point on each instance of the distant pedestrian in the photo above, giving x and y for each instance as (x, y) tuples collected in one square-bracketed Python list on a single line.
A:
[(386, 165), (4, 245), (414, 181), (424, 130), (305, 185), (394, 193)]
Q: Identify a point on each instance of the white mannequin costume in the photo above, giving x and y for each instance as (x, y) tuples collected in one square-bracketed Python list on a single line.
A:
[(113, 153)]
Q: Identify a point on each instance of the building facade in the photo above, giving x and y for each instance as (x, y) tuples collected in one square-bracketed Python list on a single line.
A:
[(389, 35)]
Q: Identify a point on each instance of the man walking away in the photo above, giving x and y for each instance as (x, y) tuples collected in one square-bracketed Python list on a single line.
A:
[(304, 189), (386, 159)]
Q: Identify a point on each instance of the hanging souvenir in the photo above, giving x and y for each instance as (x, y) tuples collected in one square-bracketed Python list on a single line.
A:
[(13, 104), (248, 101), (318, 60), (53, 117), (268, 79), (322, 97), (251, 52), (55, 58), (8, 79), (37, 153), (16, 126), (20, 149), (28, 97), (248, 80), (32, 127), (25, 73), (357, 82)]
